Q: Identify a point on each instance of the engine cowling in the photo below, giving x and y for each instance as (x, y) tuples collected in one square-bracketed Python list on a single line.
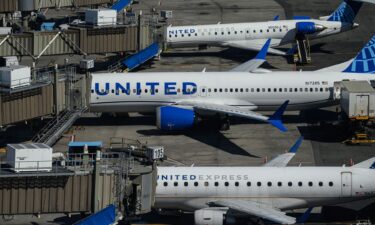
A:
[(210, 216), (308, 27), (174, 118)]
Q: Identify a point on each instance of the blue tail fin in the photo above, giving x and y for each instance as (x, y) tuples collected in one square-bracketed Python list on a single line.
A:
[(364, 62), (275, 119), (346, 11)]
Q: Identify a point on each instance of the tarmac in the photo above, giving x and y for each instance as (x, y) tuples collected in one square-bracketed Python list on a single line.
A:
[(247, 143)]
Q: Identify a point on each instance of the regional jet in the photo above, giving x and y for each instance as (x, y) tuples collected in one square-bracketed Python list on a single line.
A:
[(219, 195), (252, 36), (182, 99)]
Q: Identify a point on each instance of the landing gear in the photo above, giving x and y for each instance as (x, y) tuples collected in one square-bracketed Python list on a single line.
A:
[(224, 124)]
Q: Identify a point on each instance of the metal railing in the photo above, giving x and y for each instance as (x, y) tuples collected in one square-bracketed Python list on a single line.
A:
[(70, 163)]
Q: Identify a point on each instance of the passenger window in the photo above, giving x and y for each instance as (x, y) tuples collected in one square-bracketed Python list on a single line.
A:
[(206, 184), (220, 89), (290, 89), (236, 184), (258, 90), (178, 90), (254, 31), (268, 30), (203, 90), (320, 184), (259, 184), (316, 89), (247, 89), (300, 184), (311, 89), (170, 36), (261, 31), (274, 30), (228, 32), (189, 35), (280, 90), (285, 89), (269, 184), (310, 183), (295, 89), (113, 91), (222, 33), (290, 184), (236, 90), (281, 30), (215, 90), (252, 89), (175, 184), (186, 184), (226, 183), (269, 89), (165, 184), (176, 35), (216, 183), (156, 90), (226, 89), (92, 91), (248, 183), (330, 183), (279, 184), (196, 34), (215, 33), (275, 90), (235, 32), (321, 89), (327, 89), (263, 90), (231, 90), (209, 90), (247, 31), (306, 90), (182, 35), (301, 89), (134, 90), (146, 90), (196, 184), (241, 89)]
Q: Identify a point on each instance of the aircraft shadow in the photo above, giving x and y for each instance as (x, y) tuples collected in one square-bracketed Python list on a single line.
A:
[(209, 136)]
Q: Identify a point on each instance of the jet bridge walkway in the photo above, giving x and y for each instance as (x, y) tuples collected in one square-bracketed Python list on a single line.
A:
[(134, 61)]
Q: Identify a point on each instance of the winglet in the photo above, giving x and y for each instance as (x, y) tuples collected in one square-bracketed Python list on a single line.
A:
[(263, 52), (275, 119), (296, 145)]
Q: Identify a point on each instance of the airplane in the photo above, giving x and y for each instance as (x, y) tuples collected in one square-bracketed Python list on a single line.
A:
[(252, 36), (219, 195), (183, 99)]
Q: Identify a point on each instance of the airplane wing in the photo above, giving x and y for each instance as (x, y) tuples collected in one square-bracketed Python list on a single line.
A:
[(255, 63), (254, 45), (284, 159), (257, 209), (274, 120)]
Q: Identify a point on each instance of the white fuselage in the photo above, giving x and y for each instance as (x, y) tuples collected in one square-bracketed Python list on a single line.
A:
[(253, 91), (281, 32), (191, 188)]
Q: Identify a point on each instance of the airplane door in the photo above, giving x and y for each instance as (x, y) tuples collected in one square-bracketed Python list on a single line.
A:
[(346, 184)]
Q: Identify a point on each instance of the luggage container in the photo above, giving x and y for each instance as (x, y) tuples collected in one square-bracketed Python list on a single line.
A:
[(357, 100), (31, 157), (15, 76)]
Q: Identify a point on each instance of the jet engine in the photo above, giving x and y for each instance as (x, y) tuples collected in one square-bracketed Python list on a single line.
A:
[(308, 27), (209, 217), (174, 118)]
